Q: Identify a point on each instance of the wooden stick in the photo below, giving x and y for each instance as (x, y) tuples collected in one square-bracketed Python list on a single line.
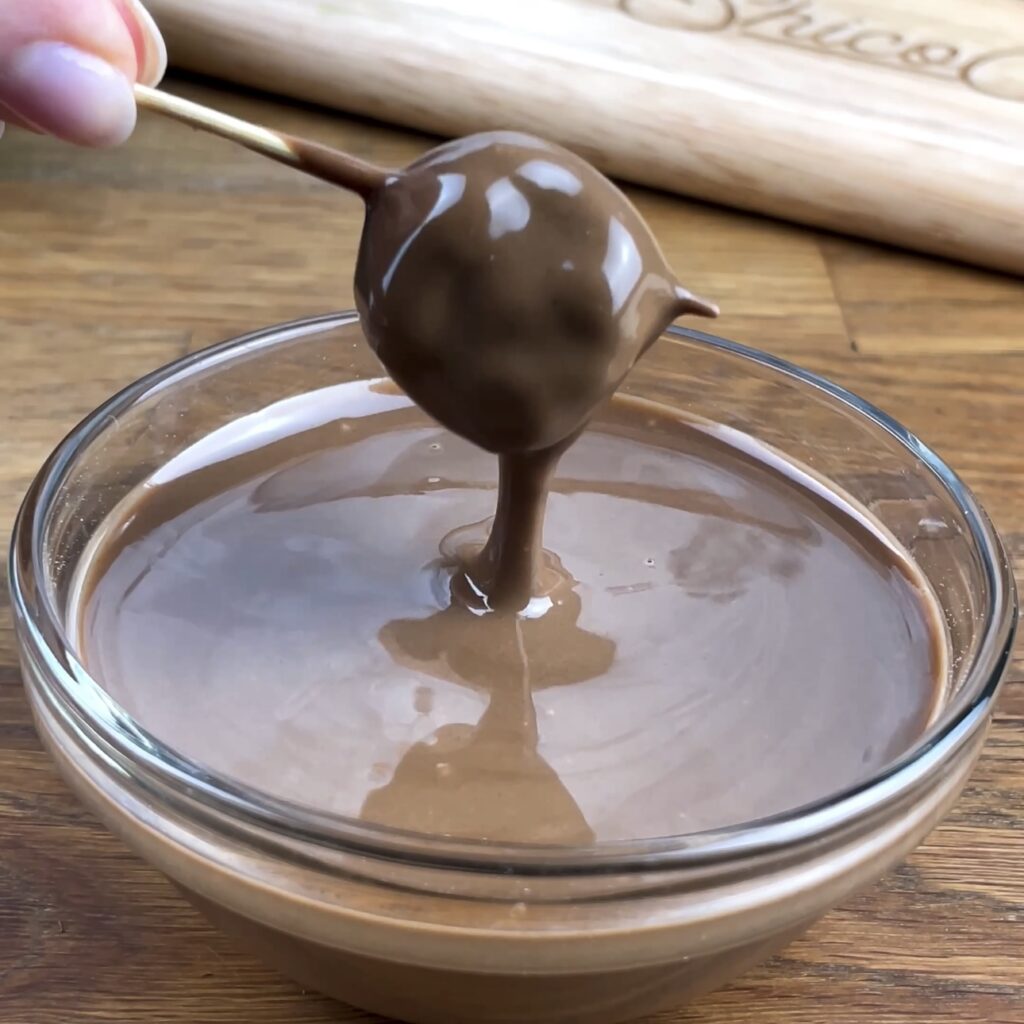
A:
[(310, 157), (252, 136)]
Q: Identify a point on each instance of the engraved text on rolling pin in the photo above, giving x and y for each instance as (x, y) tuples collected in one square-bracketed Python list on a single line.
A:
[(806, 25)]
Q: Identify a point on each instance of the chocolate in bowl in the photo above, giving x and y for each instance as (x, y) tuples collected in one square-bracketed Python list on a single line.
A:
[(431, 928)]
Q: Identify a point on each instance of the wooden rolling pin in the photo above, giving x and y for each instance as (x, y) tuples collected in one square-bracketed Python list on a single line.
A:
[(902, 122)]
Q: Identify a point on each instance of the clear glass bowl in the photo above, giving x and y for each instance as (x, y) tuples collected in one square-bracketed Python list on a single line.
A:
[(457, 932)]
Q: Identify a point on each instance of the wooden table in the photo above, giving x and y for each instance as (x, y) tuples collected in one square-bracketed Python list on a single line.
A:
[(112, 263)]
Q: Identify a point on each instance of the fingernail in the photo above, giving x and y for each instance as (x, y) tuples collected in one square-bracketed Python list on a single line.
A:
[(71, 94), (150, 49)]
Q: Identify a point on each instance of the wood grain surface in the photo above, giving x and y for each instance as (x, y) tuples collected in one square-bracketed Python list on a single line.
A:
[(897, 121), (112, 263)]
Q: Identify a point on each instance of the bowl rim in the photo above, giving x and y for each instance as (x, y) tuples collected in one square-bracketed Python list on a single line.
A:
[(112, 737)]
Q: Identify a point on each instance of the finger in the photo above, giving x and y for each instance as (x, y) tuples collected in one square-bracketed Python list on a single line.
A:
[(150, 50), (66, 66), (69, 93)]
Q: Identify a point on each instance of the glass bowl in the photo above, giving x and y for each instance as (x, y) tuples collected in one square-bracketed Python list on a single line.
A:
[(443, 931)]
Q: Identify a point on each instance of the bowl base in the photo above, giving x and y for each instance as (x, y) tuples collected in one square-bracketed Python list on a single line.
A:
[(420, 995)]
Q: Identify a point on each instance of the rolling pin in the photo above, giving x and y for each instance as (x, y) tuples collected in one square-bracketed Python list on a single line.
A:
[(900, 122)]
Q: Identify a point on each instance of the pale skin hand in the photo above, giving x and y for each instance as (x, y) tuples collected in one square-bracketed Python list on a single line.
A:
[(67, 66)]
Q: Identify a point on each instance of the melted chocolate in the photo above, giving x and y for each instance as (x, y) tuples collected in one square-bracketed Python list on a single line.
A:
[(283, 613)]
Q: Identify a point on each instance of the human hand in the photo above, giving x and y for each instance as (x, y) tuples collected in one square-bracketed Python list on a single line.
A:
[(67, 66)]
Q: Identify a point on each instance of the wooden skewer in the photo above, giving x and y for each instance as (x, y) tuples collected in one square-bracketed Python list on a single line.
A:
[(310, 157), (252, 136)]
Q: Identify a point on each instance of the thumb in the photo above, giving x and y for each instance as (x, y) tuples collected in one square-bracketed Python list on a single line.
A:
[(67, 66)]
